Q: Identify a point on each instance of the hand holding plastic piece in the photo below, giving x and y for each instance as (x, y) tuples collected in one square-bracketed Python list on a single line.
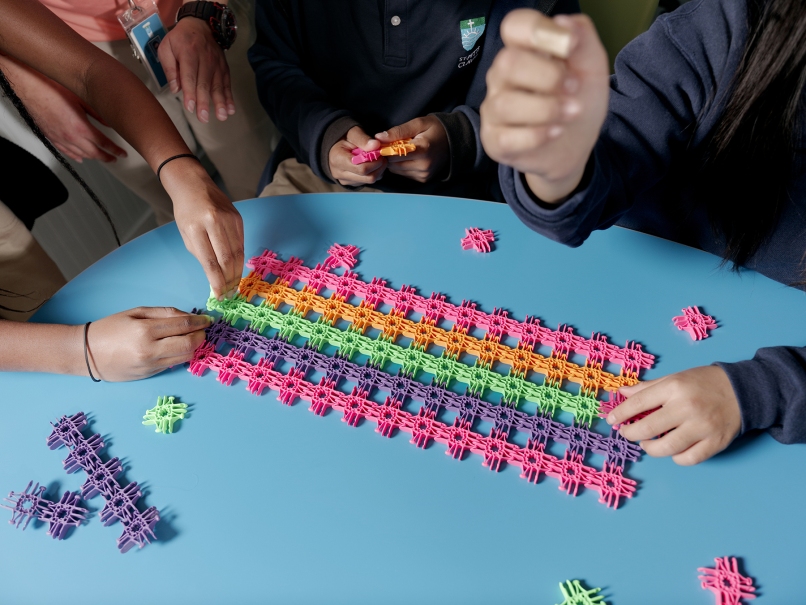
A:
[(547, 97), (698, 414), (425, 142), (344, 170), (141, 342), (211, 227), (402, 147), (195, 64)]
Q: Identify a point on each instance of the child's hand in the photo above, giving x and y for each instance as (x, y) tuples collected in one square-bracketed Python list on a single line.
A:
[(698, 417), (141, 342), (431, 157), (341, 160), (210, 225), (547, 95)]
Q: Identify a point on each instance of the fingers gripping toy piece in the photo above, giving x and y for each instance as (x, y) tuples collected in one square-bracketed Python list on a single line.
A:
[(401, 147)]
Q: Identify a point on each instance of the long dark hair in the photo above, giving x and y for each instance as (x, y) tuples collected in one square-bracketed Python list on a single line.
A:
[(8, 91), (749, 161)]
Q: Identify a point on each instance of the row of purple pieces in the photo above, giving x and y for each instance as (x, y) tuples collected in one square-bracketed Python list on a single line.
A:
[(138, 527), (31, 504), (470, 408)]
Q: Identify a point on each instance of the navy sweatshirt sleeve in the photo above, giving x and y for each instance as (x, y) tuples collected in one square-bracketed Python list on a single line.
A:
[(661, 108), (304, 111)]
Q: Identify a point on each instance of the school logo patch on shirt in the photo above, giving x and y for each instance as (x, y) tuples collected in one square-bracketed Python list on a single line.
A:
[(471, 31)]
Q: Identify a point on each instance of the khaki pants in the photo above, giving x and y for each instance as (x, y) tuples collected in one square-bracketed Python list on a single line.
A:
[(28, 276), (292, 177), (239, 147)]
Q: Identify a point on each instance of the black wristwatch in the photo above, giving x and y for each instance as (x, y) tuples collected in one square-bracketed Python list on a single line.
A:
[(218, 16)]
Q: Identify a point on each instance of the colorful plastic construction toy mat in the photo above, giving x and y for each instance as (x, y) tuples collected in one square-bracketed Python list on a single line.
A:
[(472, 380)]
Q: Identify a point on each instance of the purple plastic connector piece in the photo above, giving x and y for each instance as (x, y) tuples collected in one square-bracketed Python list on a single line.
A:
[(102, 478), (61, 515), (695, 323)]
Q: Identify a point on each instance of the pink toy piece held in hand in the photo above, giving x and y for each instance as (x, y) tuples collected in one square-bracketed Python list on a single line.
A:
[(725, 581), (695, 323), (362, 157), (478, 240)]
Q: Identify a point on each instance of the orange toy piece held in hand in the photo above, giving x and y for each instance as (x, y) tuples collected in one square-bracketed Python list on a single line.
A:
[(401, 147)]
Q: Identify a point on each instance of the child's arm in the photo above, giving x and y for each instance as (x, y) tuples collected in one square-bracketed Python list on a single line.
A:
[(130, 345), (210, 225)]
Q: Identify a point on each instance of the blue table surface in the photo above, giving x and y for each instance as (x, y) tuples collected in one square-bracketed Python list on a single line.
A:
[(264, 503)]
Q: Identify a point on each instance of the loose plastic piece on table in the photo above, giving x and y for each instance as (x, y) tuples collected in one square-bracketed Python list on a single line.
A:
[(165, 414), (138, 527), (478, 240), (343, 323), (575, 594), (401, 147), (61, 515), (725, 581), (695, 323)]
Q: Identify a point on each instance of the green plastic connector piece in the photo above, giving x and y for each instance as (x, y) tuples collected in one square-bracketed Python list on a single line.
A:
[(165, 414), (264, 316), (294, 324), (584, 408), (382, 351), (322, 333), (575, 594)]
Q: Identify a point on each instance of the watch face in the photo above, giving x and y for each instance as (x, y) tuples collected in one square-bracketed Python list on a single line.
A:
[(228, 28)]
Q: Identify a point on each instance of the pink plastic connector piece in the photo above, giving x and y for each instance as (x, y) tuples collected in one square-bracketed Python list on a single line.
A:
[(695, 323), (725, 581), (478, 240), (362, 157), (341, 256)]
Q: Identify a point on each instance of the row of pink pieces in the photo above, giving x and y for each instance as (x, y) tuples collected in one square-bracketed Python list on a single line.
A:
[(423, 427), (497, 324), (725, 581)]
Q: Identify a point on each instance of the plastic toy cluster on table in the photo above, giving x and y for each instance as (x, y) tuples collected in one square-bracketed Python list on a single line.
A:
[(728, 585), (102, 478), (400, 147), (165, 414), (695, 323), (284, 312), (31, 504), (575, 594), (478, 240)]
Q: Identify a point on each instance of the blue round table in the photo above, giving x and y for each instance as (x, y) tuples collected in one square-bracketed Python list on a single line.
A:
[(267, 503)]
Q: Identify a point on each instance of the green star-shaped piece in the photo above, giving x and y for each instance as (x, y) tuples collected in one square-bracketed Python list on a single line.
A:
[(165, 414), (575, 594)]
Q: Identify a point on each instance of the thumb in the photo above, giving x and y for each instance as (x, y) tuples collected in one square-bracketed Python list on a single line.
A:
[(156, 312), (587, 54), (356, 136), (409, 130)]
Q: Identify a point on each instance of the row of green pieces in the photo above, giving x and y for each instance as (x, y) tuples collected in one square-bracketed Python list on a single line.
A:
[(512, 388)]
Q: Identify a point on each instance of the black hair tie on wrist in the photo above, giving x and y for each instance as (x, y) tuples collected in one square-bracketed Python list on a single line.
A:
[(171, 159), (86, 356)]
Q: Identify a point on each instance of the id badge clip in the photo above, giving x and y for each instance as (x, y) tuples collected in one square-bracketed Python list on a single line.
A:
[(145, 31)]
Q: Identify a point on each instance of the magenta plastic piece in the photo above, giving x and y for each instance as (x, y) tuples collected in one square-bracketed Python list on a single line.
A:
[(725, 581), (61, 515), (695, 323), (478, 240), (138, 527), (362, 157), (341, 256)]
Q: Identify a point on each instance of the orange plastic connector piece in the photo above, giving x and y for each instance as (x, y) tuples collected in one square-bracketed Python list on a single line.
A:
[(401, 147)]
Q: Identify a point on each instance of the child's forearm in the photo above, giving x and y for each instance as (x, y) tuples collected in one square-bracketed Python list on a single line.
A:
[(31, 347)]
